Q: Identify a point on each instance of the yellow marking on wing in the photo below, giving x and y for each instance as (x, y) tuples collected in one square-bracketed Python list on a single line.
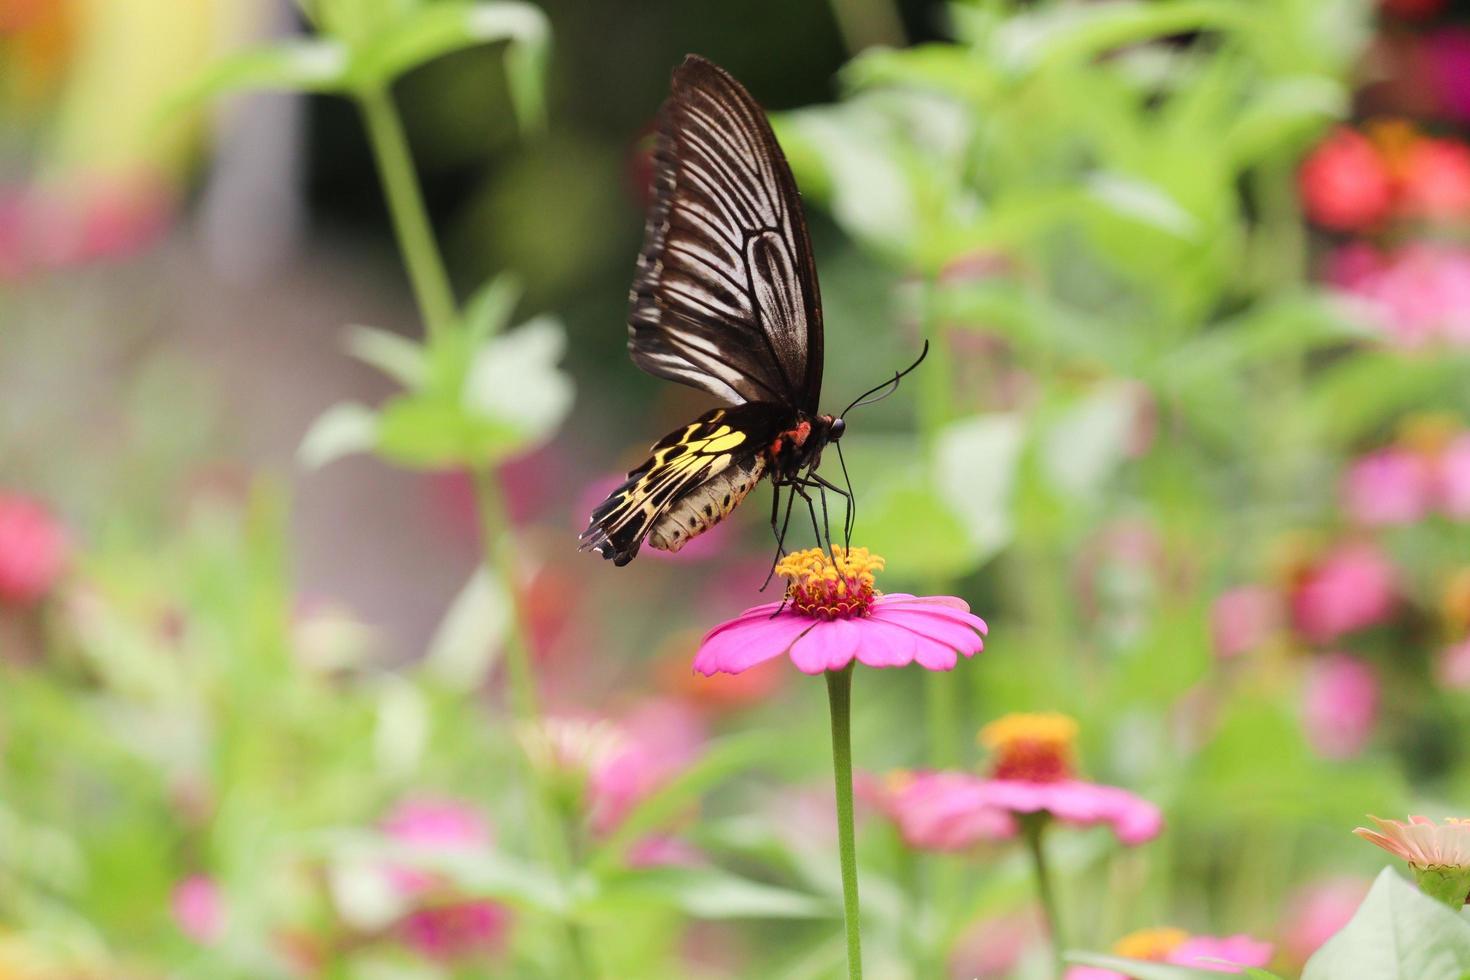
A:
[(722, 443)]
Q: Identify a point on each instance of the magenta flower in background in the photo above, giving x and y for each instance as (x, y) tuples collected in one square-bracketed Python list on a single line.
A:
[(456, 930), (647, 749), (33, 550), (1242, 619), (1452, 669), (1388, 487), (936, 811), (1349, 589), (1417, 295), (1315, 913), (1447, 54), (1339, 705), (436, 826), (832, 617), (198, 909)]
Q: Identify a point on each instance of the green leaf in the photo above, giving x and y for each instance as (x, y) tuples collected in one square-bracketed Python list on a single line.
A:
[(426, 432), (939, 542), (514, 382), (1285, 113), (342, 430), (437, 29), (1082, 449), (1078, 31), (1396, 934), (464, 647), (1142, 969), (1369, 389), (297, 65), (1143, 202), (975, 464), (489, 310), (396, 356), (709, 893)]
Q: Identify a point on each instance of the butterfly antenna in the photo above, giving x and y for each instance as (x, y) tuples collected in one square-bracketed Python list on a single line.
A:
[(891, 384)]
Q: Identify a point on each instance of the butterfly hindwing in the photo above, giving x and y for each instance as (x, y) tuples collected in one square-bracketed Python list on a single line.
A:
[(725, 297), (692, 478)]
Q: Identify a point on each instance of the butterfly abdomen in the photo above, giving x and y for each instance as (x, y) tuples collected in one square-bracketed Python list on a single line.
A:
[(706, 505)]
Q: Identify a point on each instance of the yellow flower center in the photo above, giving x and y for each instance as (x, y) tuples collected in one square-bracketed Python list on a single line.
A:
[(1150, 944), (1036, 748), (819, 587)]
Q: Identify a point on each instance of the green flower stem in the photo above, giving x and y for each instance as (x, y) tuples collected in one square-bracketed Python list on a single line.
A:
[(1033, 828), (406, 205), (839, 699), (437, 306)]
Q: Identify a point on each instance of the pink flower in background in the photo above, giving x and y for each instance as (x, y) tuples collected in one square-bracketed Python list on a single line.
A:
[(648, 748), (434, 826), (1434, 180), (1452, 669), (1242, 619), (1452, 479), (198, 909), (664, 851), (1418, 295), (1345, 184), (831, 616), (456, 929), (1175, 946), (1388, 487), (937, 811), (1349, 589), (86, 220), (1315, 913), (992, 948), (1447, 57), (33, 550), (1339, 705), (1237, 952)]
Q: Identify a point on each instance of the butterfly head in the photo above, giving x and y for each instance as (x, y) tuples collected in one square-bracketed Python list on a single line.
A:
[(835, 428)]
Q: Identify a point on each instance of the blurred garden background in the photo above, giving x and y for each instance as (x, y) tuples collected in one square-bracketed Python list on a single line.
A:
[(302, 675)]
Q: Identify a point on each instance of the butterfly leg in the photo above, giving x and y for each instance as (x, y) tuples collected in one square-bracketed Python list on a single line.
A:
[(851, 521), (781, 532), (824, 485), (799, 486)]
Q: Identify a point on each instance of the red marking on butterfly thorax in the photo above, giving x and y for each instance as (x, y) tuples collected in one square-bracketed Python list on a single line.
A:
[(797, 435)]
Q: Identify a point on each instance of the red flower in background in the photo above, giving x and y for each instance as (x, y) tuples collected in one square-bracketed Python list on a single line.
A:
[(1345, 183), (33, 550), (1434, 180), (1411, 9)]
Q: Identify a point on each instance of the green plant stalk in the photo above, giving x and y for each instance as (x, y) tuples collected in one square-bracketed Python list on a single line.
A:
[(406, 206), (437, 306), (839, 700), (1033, 828)]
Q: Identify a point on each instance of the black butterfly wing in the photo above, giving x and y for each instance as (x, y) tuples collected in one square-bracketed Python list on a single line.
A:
[(724, 450), (725, 297)]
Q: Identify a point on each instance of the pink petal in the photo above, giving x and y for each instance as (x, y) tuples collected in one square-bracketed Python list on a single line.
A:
[(763, 611), (942, 627), (906, 599), (826, 646), (886, 645), (748, 642)]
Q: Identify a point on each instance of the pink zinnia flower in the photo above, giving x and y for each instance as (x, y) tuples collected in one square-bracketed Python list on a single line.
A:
[(1438, 854), (1345, 183), (936, 811), (33, 550), (833, 615), (1388, 487), (1316, 913), (198, 909), (1242, 619), (1339, 705), (1418, 294), (1227, 954), (1349, 589), (436, 826), (1032, 770)]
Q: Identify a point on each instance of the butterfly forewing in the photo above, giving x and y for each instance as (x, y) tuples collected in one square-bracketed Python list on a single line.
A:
[(725, 297)]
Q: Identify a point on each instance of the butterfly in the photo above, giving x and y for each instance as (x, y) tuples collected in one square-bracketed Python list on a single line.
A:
[(724, 299)]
